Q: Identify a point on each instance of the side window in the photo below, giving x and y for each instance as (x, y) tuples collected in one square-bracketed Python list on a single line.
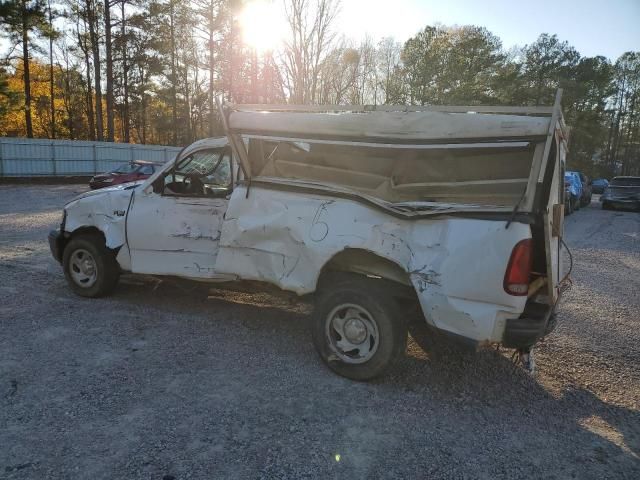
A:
[(146, 170), (206, 173)]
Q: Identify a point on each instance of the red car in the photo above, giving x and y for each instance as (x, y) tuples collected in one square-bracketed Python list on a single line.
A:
[(129, 172)]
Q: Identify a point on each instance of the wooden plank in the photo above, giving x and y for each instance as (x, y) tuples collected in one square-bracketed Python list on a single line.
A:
[(468, 183), (546, 110), (550, 134), (401, 146)]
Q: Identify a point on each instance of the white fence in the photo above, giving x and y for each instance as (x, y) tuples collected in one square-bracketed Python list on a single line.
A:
[(22, 157)]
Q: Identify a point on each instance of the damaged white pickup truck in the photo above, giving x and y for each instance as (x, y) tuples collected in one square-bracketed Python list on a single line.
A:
[(433, 219)]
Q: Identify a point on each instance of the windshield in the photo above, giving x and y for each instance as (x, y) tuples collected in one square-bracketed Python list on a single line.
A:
[(625, 182), (126, 168)]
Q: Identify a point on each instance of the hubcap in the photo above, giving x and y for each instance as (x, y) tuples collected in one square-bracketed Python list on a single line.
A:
[(83, 269), (355, 331), (352, 333)]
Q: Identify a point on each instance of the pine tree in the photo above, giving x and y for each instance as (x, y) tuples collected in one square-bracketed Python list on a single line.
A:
[(19, 18)]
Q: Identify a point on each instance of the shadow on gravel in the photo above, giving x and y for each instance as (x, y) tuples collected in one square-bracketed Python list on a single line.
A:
[(489, 379), (472, 391)]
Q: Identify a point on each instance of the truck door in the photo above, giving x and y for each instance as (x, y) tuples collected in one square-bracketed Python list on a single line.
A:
[(174, 227)]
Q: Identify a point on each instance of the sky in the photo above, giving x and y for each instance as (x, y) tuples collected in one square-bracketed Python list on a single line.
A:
[(593, 27)]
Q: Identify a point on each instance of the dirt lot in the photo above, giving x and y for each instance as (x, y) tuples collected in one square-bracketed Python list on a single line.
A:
[(159, 381)]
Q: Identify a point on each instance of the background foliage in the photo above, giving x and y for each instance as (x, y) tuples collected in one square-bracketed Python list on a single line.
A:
[(148, 71)]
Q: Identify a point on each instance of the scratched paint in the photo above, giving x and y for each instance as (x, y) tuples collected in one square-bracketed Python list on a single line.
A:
[(456, 265), (444, 259)]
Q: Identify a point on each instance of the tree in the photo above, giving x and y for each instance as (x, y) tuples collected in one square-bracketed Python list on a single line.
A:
[(51, 34), (623, 149), (18, 19), (452, 65), (388, 64), (308, 43), (548, 64), (586, 97), (91, 16), (8, 98), (108, 58)]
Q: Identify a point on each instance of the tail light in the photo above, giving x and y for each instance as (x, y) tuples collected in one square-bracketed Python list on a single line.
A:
[(516, 278)]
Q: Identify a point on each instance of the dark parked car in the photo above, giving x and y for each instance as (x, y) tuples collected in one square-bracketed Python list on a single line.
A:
[(599, 184), (585, 198), (129, 172), (622, 192)]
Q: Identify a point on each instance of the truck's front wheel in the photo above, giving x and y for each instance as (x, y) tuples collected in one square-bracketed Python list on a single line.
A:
[(357, 328), (89, 266)]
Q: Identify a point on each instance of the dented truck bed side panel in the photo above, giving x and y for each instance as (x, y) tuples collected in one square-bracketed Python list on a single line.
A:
[(456, 265)]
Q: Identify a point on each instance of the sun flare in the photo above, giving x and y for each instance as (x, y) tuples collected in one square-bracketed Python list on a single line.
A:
[(262, 25)]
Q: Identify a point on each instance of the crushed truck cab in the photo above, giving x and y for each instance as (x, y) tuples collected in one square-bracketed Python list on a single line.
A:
[(437, 220)]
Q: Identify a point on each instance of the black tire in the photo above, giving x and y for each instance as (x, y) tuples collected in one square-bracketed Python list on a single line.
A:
[(568, 208), (340, 292), (106, 267), (606, 206)]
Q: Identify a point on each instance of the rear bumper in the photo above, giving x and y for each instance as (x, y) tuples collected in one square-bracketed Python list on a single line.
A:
[(56, 244), (536, 321)]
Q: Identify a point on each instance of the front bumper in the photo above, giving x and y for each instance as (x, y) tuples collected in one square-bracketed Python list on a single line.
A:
[(56, 244)]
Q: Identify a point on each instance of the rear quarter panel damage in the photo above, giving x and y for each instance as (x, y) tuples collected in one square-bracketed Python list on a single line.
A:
[(456, 265)]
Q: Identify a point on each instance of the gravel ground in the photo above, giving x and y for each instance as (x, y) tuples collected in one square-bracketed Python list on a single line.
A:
[(161, 381)]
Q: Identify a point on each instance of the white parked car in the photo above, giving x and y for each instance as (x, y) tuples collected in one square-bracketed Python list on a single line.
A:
[(439, 220)]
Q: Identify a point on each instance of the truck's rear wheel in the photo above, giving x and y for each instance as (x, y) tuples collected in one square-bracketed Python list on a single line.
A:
[(357, 327), (89, 266)]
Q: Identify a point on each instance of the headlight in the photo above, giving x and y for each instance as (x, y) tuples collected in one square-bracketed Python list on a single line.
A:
[(108, 180)]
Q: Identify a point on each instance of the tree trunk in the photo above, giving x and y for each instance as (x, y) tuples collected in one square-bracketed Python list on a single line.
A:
[(90, 114), (109, 65), (26, 78), (89, 93), (143, 101), (51, 98), (174, 99), (66, 97), (126, 124), (95, 48), (187, 101), (211, 71)]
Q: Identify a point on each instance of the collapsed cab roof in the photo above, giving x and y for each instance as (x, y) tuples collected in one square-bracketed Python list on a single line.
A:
[(387, 125)]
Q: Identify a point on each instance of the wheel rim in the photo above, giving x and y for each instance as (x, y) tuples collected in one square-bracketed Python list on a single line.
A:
[(352, 333), (83, 268)]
